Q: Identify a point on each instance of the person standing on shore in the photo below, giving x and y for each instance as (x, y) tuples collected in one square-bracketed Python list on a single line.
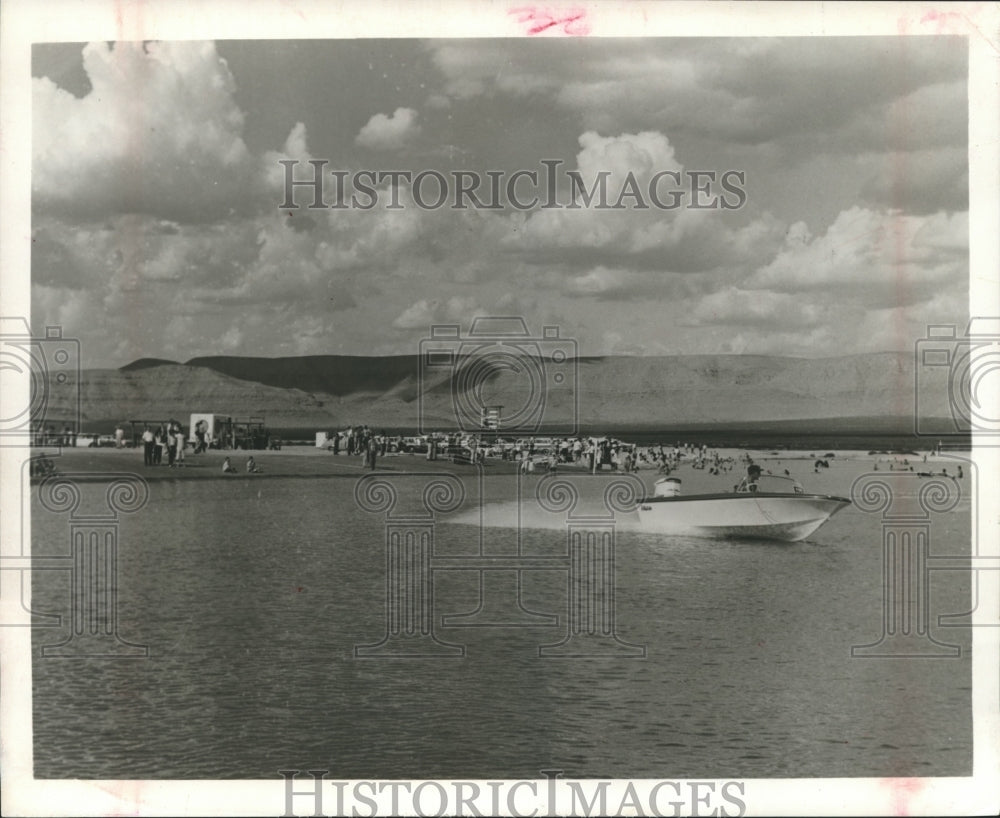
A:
[(180, 443), (200, 433), (371, 452), (159, 441), (147, 447)]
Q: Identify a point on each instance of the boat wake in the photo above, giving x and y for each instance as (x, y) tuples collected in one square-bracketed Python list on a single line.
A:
[(514, 515)]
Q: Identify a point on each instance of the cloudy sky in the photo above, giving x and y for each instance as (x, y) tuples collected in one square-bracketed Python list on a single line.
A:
[(156, 193)]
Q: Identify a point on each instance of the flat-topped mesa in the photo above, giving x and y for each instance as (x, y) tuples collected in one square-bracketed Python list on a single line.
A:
[(860, 393)]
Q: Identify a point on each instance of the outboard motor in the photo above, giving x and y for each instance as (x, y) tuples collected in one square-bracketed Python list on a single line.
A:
[(667, 487)]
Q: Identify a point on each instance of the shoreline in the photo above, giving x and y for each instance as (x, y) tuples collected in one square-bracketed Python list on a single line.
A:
[(93, 464)]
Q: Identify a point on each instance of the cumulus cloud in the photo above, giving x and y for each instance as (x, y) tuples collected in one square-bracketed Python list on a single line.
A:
[(424, 313), (753, 91), (469, 68), (881, 257), (641, 154), (618, 284), (389, 133), (600, 282), (232, 339), (813, 326), (157, 229), (134, 251), (736, 307), (418, 315), (159, 132), (677, 240), (605, 165), (276, 175)]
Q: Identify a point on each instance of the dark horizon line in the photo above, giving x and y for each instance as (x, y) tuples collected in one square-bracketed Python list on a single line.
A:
[(148, 362), (886, 425)]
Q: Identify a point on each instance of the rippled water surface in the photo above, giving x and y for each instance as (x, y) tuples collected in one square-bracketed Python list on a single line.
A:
[(252, 596)]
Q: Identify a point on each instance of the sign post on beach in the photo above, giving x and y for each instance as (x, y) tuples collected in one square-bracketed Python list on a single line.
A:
[(491, 419)]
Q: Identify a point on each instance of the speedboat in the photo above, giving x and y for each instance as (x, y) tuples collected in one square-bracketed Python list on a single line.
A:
[(763, 507)]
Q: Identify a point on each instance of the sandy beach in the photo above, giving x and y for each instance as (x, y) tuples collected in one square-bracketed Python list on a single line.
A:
[(310, 462)]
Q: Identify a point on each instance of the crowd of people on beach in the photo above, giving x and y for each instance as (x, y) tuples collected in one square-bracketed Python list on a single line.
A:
[(618, 456), (169, 442), (166, 441), (532, 454), (359, 440), (903, 464), (50, 437), (595, 454)]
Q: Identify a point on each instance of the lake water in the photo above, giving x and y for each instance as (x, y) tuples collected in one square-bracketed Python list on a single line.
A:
[(253, 595)]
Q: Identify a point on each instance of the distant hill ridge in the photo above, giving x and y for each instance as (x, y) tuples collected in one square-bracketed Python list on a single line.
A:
[(146, 363), (332, 374), (324, 391)]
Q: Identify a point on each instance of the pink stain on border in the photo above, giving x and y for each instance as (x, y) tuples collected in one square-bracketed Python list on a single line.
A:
[(290, 5), (963, 23), (128, 15), (947, 21), (903, 789), (570, 21)]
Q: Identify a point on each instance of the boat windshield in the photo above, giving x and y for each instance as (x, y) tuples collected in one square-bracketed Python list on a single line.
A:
[(771, 484)]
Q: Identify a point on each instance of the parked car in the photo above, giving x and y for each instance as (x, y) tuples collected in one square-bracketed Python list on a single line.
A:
[(414, 445)]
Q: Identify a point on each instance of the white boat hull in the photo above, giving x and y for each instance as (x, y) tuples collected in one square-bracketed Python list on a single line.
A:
[(789, 517)]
